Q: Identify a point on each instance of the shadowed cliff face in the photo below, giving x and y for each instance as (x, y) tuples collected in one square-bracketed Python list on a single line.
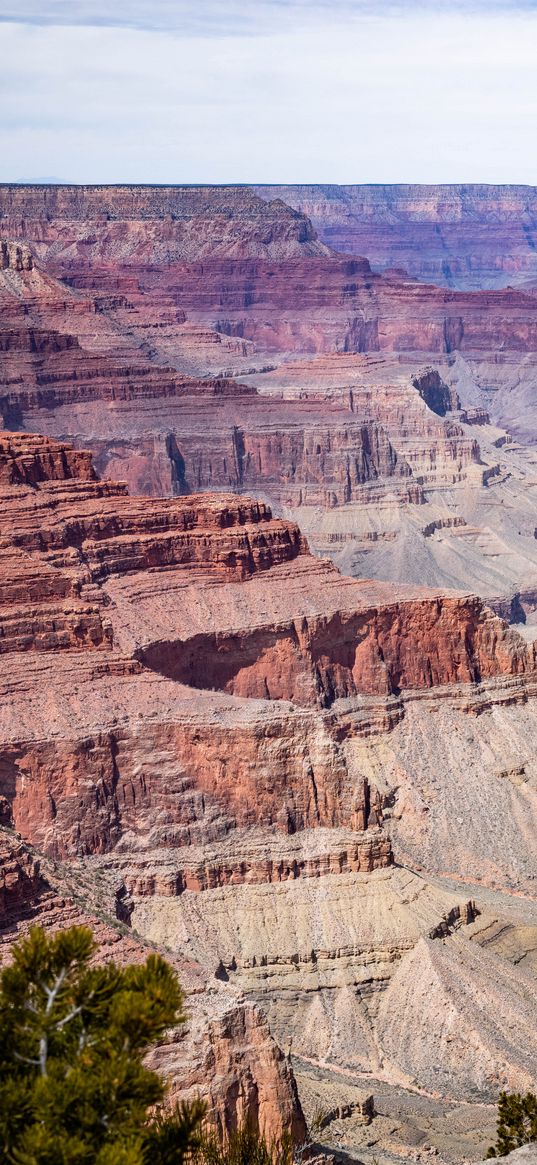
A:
[(324, 659)]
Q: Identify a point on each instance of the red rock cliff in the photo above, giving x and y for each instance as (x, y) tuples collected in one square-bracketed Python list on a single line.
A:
[(213, 617)]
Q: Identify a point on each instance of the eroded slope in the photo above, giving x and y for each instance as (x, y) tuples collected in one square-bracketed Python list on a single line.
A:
[(198, 715)]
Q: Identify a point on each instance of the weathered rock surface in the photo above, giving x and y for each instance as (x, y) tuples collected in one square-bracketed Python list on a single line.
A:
[(154, 366), (223, 734), (460, 235), (470, 519), (159, 594), (20, 879), (160, 333), (241, 748), (527, 1155), (224, 1053), (351, 446), (396, 985), (132, 223), (427, 1019)]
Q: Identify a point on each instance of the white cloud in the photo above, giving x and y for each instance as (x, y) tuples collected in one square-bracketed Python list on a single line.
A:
[(225, 16), (444, 96)]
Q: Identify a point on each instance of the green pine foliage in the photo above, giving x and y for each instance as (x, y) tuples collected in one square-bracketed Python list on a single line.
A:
[(73, 1086), (517, 1122), (244, 1146)]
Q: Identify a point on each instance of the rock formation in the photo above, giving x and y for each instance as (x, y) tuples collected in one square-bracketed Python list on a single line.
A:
[(316, 793), (224, 1053), (461, 235), (172, 404), (75, 579), (162, 224), (204, 728), (527, 1155)]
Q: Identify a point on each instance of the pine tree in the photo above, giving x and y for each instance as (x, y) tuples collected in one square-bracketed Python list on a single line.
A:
[(244, 1145), (73, 1086), (517, 1122)]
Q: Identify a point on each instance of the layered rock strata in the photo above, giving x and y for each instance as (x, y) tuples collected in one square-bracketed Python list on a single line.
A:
[(162, 223), (117, 365), (155, 367), (248, 818), (460, 235), (159, 594), (335, 432), (241, 747), (224, 1053)]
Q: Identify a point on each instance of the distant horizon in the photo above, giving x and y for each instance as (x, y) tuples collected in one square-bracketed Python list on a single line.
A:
[(252, 185)]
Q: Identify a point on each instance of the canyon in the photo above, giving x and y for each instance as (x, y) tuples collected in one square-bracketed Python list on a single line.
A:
[(211, 738), (391, 419), (268, 589), (469, 235)]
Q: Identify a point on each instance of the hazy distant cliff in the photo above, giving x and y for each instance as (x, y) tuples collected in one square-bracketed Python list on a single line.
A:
[(469, 236)]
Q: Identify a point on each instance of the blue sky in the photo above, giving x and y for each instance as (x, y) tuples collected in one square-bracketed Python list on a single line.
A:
[(268, 90)]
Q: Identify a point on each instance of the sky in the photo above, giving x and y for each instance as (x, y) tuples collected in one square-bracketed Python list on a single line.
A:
[(281, 91)]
